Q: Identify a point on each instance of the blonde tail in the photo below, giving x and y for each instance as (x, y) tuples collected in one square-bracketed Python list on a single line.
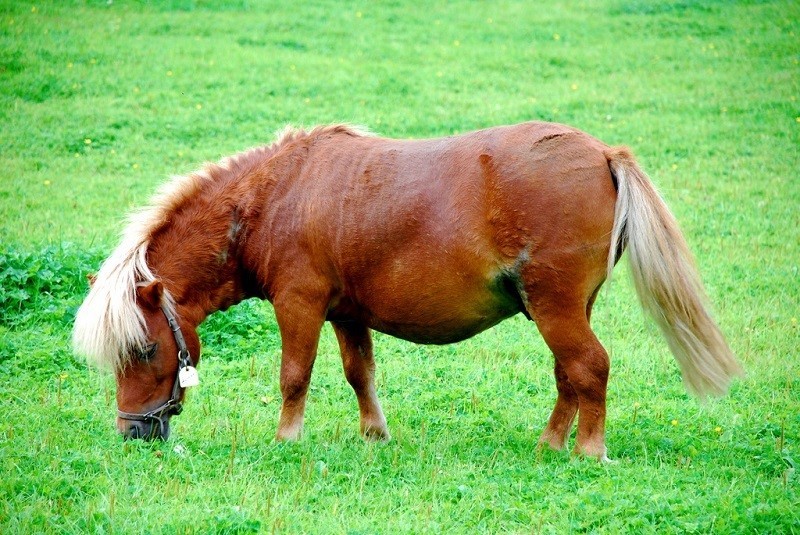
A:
[(666, 279)]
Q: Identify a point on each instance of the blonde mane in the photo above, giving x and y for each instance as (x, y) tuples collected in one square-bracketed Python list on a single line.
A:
[(109, 324)]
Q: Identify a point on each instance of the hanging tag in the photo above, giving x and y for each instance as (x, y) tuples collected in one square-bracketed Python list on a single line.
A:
[(188, 377)]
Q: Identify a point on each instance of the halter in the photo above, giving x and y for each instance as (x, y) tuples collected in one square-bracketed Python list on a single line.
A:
[(172, 406)]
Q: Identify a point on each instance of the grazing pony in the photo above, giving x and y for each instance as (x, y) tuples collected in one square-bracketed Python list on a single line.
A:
[(430, 241)]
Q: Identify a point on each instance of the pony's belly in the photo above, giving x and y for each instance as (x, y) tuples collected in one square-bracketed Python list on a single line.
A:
[(432, 317), (446, 331)]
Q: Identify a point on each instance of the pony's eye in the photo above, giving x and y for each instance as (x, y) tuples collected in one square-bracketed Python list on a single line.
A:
[(148, 352)]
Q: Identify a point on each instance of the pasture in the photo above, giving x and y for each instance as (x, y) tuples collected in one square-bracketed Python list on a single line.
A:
[(102, 101)]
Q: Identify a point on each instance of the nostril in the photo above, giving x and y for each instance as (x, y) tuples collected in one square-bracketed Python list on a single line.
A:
[(153, 431), (158, 430), (134, 431), (165, 431)]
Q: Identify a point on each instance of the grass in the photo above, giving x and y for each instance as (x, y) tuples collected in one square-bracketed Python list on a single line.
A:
[(102, 101)]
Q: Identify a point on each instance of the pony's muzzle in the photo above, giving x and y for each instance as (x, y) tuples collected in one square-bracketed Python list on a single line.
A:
[(148, 430)]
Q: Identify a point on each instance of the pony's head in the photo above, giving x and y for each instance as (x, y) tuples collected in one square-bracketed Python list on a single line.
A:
[(151, 385), (128, 324), (151, 351)]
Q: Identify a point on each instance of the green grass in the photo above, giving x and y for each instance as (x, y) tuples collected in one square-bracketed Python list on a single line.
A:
[(100, 102)]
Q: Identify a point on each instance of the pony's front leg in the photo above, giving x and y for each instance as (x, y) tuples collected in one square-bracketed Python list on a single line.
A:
[(355, 344), (300, 322)]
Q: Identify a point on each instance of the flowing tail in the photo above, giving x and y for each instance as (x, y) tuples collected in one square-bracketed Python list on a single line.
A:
[(666, 279)]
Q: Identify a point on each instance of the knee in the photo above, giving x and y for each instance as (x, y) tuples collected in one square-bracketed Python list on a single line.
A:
[(294, 382), (358, 374)]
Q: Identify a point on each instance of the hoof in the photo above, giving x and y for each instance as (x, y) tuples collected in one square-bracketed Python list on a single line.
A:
[(551, 441), (598, 452), (289, 435), (376, 434)]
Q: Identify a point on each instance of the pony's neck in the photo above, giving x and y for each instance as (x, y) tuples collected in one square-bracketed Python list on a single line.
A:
[(197, 251)]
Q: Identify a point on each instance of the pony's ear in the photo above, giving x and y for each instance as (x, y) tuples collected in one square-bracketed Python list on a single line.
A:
[(150, 295), (91, 277)]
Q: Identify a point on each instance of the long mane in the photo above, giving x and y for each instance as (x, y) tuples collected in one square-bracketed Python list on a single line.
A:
[(109, 324)]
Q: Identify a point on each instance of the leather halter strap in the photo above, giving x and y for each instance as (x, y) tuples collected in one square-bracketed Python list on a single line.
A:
[(172, 406)]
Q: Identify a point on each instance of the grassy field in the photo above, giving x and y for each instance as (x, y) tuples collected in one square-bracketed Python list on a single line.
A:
[(101, 101)]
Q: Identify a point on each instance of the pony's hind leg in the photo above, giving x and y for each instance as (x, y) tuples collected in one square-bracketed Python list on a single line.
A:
[(582, 367), (355, 344), (558, 427)]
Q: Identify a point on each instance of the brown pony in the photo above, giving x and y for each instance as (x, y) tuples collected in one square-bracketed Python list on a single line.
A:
[(431, 241)]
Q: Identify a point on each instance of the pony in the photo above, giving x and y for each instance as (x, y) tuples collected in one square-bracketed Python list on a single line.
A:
[(431, 241)]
